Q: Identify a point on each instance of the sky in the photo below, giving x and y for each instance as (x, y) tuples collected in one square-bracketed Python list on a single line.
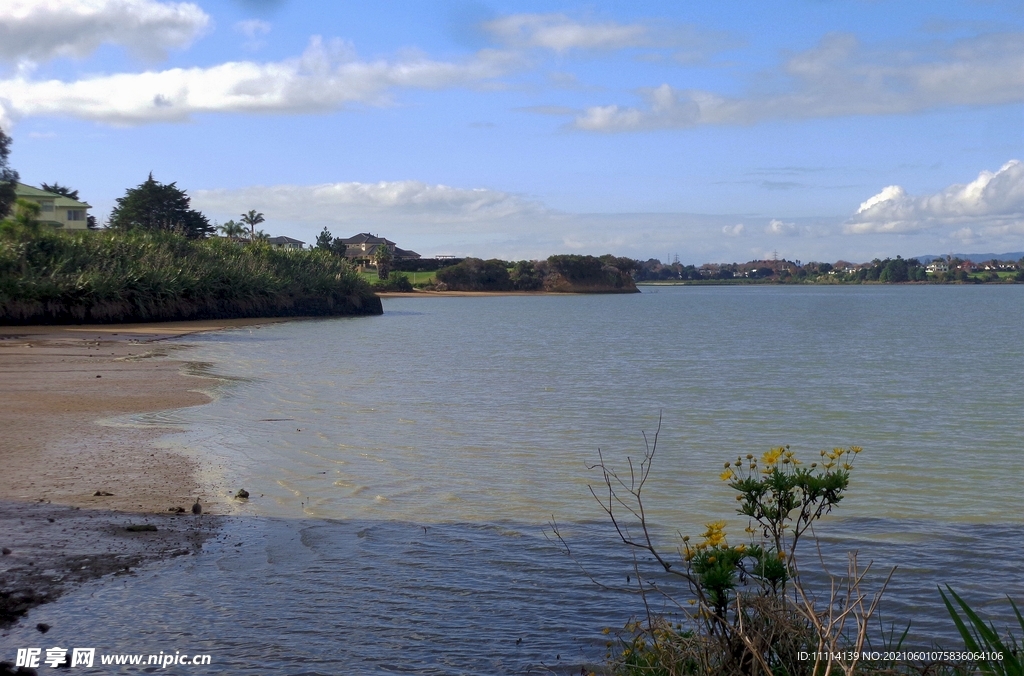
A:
[(815, 130)]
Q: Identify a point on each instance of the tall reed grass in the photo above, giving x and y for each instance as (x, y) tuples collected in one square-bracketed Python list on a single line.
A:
[(55, 277)]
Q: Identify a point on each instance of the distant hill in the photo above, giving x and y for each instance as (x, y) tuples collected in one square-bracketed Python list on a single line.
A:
[(977, 257)]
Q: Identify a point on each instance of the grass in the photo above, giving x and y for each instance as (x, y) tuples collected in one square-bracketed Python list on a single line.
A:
[(416, 278), (86, 277)]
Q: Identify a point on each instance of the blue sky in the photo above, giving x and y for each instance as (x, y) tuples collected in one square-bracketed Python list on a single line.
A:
[(717, 131)]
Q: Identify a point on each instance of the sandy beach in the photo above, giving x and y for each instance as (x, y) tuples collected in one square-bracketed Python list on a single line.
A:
[(71, 484)]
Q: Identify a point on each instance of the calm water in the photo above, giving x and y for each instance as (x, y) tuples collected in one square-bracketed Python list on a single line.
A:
[(403, 468)]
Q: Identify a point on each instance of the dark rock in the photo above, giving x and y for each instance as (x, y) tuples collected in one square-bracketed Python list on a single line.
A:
[(140, 527), (6, 551), (7, 669), (242, 494), (102, 494), (43, 627)]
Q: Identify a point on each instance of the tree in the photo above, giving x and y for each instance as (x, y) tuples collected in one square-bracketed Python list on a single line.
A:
[(25, 216), (8, 176), (158, 206), (233, 230), (383, 258), (328, 242), (324, 239), (59, 189), (252, 219)]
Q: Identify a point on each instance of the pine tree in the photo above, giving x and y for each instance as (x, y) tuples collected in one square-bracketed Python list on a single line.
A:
[(158, 206)]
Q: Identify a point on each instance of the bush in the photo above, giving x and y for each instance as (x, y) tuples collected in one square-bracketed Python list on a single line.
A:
[(54, 277), (526, 277), (396, 281), (474, 274), (750, 612)]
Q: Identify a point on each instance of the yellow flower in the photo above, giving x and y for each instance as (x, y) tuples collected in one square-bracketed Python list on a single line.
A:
[(771, 457), (714, 535), (726, 475)]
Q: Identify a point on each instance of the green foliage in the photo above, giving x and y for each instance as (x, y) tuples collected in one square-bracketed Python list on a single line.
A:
[(396, 281), (328, 242), (25, 220), (59, 189), (252, 218), (141, 275), (383, 257), (324, 239), (583, 271), (154, 206), (526, 277), (8, 177), (233, 230), (474, 274), (1000, 658), (749, 613)]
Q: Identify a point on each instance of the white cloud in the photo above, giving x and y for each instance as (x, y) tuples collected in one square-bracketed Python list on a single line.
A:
[(38, 30), (353, 203), (559, 33), (964, 236), (325, 77), (994, 200), (733, 230), (840, 77), (777, 227)]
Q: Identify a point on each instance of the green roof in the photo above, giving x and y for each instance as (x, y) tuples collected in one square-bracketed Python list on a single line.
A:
[(28, 192)]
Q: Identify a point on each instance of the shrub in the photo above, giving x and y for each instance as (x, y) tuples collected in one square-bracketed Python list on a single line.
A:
[(54, 277), (396, 281), (748, 612), (474, 274)]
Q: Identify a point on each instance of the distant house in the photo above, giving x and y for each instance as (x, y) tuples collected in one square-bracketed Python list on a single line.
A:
[(56, 210), (938, 266), (360, 248), (285, 243)]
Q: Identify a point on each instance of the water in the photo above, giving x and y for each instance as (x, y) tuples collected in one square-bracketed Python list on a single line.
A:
[(404, 468)]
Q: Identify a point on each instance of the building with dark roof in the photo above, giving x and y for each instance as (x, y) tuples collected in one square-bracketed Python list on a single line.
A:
[(360, 248), (285, 243)]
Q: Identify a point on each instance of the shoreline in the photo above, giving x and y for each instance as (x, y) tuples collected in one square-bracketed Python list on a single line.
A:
[(71, 483)]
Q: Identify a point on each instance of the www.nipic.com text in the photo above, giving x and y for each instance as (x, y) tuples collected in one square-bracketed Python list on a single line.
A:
[(86, 657)]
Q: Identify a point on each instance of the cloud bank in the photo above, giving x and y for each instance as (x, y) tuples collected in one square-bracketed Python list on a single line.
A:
[(994, 202), (347, 203), (839, 77), (37, 30), (324, 77)]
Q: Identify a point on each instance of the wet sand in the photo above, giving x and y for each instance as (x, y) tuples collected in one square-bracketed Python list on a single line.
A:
[(56, 386)]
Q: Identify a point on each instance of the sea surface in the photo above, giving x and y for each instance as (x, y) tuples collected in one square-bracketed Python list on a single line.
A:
[(405, 470)]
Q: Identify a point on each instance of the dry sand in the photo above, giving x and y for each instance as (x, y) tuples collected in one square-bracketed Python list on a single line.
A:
[(56, 384)]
